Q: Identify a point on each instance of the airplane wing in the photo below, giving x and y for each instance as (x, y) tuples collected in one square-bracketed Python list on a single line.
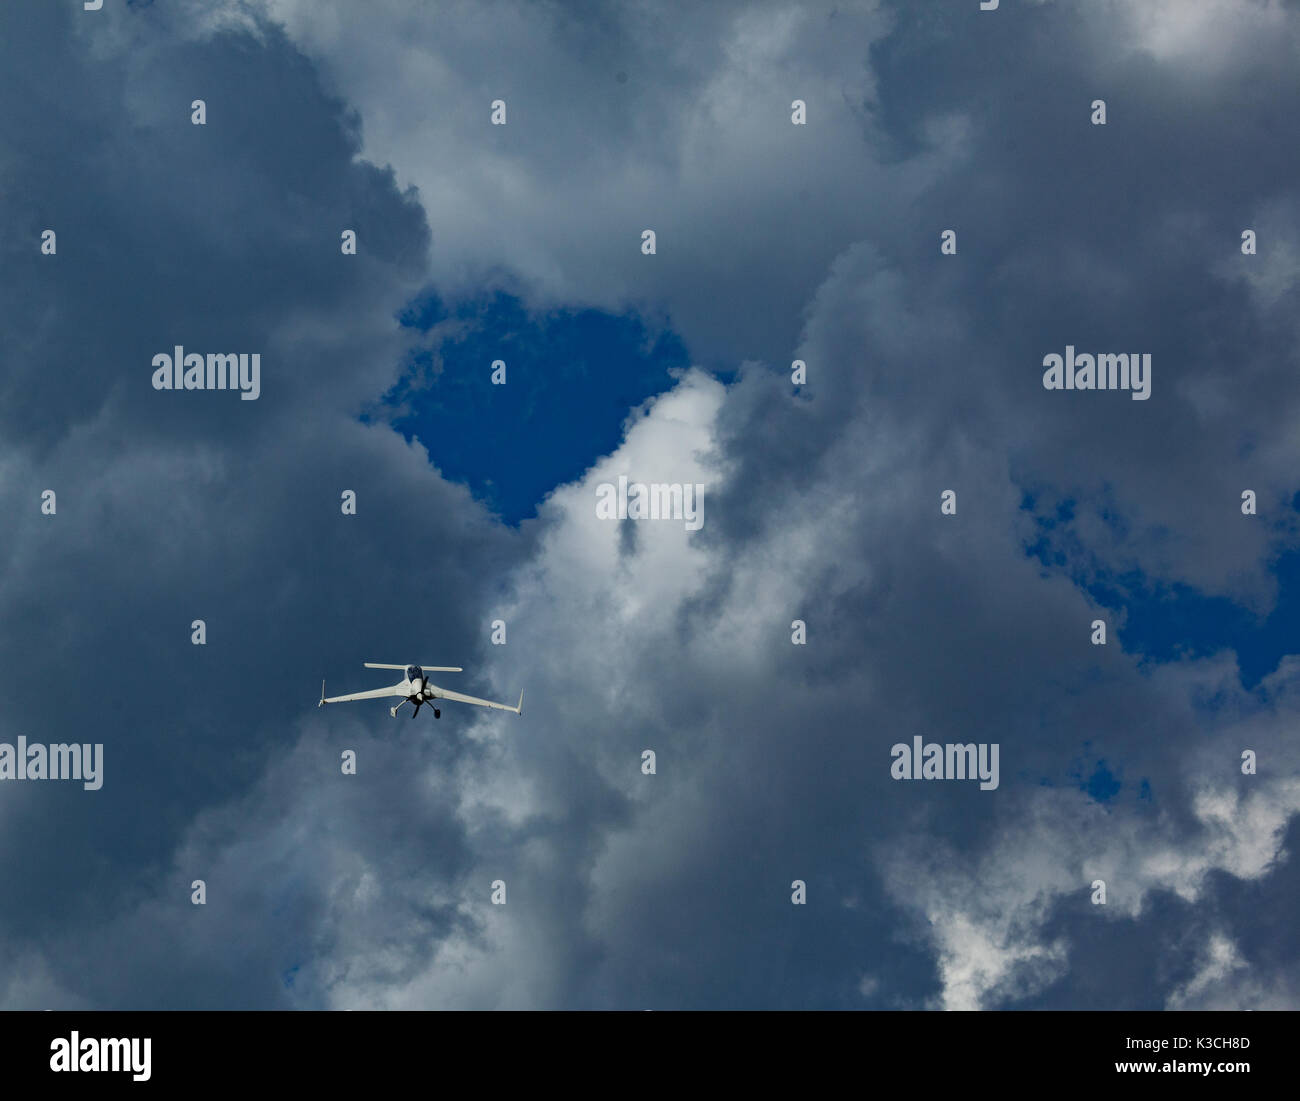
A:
[(426, 668), (373, 694), (447, 694)]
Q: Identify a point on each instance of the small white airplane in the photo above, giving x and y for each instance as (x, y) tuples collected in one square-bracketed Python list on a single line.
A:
[(418, 690)]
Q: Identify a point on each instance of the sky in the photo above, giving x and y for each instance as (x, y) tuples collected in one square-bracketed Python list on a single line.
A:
[(771, 860)]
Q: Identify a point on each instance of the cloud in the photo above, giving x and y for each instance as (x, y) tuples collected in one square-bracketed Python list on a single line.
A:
[(696, 143), (624, 889)]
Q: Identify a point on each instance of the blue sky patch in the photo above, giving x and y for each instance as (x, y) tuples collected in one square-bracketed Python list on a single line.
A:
[(571, 378), (1169, 622)]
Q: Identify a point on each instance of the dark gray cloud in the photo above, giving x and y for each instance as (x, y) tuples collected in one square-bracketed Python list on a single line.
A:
[(181, 506)]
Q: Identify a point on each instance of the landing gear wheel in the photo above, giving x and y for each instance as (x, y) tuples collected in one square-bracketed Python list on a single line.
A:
[(437, 714), (393, 711)]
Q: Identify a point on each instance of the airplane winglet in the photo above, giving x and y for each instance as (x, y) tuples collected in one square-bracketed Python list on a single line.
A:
[(520, 709), (322, 695)]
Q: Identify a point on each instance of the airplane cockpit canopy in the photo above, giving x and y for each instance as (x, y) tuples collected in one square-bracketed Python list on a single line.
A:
[(413, 672)]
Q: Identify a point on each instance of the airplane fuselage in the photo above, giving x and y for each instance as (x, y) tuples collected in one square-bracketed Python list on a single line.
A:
[(418, 688), (419, 691)]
